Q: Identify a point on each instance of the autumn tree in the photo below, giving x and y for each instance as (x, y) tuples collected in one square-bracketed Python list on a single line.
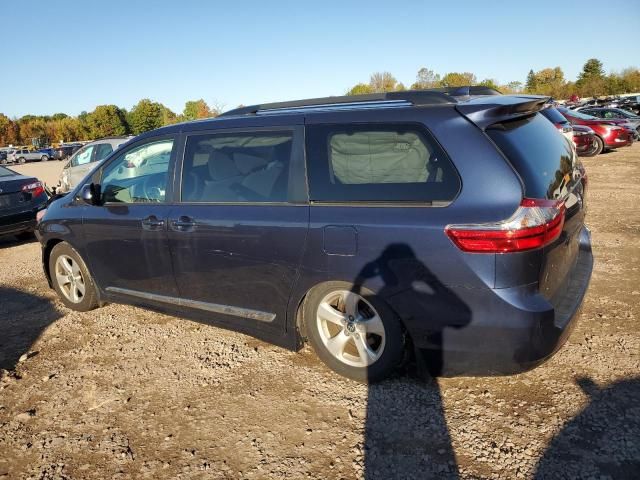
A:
[(456, 79), (426, 79), (382, 82), (196, 109)]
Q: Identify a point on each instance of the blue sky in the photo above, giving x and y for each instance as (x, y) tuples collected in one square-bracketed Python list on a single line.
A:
[(71, 55)]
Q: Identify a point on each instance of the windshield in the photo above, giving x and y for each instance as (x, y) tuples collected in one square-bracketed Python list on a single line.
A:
[(5, 172), (625, 114), (580, 115)]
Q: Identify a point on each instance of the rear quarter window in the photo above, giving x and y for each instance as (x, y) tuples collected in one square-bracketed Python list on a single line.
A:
[(554, 115), (377, 163), (542, 157)]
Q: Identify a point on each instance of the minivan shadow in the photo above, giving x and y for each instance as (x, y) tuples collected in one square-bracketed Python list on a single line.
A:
[(406, 433), (603, 440), (23, 318)]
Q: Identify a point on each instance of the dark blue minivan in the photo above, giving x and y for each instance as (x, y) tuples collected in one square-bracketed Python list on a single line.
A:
[(439, 224)]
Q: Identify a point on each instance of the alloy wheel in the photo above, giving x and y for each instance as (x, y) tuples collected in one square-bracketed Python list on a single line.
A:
[(70, 279), (350, 328)]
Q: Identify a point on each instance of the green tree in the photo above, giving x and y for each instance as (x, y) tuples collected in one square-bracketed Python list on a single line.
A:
[(360, 89), (490, 82), (106, 121), (591, 81), (146, 115), (530, 86), (456, 79), (196, 109)]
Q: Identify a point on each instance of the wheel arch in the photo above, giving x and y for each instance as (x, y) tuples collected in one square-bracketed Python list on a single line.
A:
[(46, 255)]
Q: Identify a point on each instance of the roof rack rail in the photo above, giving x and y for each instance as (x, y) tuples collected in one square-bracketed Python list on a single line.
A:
[(407, 97), (466, 91)]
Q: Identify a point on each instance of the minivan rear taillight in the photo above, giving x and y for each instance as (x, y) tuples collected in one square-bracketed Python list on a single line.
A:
[(35, 188), (536, 223)]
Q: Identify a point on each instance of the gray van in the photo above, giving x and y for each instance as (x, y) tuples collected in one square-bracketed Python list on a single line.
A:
[(84, 160)]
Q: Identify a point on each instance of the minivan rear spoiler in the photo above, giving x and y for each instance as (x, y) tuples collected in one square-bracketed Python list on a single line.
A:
[(489, 110)]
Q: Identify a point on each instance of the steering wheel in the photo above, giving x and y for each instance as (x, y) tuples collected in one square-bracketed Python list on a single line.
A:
[(153, 188)]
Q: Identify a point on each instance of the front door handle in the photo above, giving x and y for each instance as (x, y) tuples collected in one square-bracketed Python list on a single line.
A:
[(183, 224), (152, 223)]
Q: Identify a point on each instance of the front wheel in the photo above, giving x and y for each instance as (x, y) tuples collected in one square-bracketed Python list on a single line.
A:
[(22, 160), (599, 147), (353, 332), (71, 278), (44, 158)]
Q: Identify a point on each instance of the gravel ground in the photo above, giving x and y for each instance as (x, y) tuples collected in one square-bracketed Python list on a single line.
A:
[(122, 392)]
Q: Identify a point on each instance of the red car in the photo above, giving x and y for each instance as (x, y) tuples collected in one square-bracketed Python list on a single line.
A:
[(610, 133), (584, 139)]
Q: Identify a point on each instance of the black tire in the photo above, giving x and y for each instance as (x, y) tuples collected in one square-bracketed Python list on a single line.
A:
[(594, 150), (44, 158), (392, 353), (22, 160), (599, 147), (3, 161), (89, 300)]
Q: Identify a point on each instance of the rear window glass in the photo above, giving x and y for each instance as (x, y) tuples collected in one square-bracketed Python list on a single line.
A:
[(5, 172), (377, 163), (554, 115), (541, 156)]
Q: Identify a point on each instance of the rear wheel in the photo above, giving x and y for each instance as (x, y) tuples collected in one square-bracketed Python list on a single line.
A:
[(354, 333), (71, 278), (3, 161), (44, 158), (22, 160)]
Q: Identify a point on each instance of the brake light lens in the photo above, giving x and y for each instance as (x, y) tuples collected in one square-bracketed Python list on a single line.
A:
[(35, 189), (535, 224)]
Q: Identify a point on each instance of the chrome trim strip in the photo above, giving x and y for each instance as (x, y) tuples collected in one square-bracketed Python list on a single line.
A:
[(209, 307)]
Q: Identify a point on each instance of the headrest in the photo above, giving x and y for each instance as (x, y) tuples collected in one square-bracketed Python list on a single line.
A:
[(221, 166), (248, 163)]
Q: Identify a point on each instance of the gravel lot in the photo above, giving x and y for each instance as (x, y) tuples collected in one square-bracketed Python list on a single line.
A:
[(122, 392)]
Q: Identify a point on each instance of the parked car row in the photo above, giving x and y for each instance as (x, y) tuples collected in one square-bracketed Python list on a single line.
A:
[(23, 155), (596, 133), (629, 103)]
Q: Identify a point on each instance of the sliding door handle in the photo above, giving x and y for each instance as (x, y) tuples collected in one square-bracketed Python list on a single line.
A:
[(183, 223), (152, 223)]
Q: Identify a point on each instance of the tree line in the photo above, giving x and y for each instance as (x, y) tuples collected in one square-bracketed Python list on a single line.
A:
[(110, 120), (591, 82), (104, 121)]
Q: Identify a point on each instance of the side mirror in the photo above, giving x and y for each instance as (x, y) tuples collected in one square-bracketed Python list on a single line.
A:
[(89, 194)]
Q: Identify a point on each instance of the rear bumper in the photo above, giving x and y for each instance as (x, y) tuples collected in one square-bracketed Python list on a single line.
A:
[(508, 330), (17, 222)]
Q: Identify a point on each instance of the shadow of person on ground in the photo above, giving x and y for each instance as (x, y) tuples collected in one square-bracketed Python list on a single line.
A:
[(23, 317), (406, 434), (603, 440)]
